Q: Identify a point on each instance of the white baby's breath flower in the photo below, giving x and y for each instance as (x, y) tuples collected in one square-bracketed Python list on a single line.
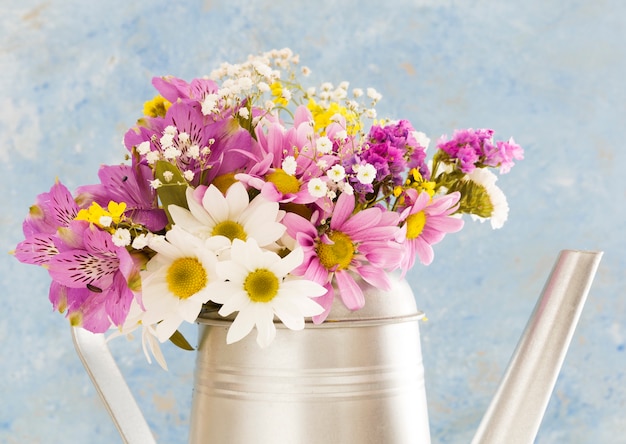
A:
[(168, 176), (326, 86), (143, 148), (171, 153), (105, 221), (317, 187), (337, 173), (370, 113), (209, 104), (373, 94), (366, 173), (170, 130), (156, 183), (289, 165), (152, 157), (167, 140), (243, 112), (305, 71), (188, 175), (183, 137), (121, 237), (323, 145), (141, 241), (341, 135), (357, 92), (193, 151)]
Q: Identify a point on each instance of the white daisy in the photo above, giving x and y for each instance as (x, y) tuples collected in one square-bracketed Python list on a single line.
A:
[(487, 179), (177, 281), (232, 216), (258, 286), (149, 341)]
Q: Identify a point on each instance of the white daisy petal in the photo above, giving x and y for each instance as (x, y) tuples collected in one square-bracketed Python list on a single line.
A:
[(215, 204), (241, 326)]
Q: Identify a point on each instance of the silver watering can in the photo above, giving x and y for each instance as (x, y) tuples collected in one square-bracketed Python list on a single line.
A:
[(357, 378)]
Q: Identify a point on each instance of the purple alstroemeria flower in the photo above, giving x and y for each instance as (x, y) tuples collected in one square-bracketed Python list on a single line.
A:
[(131, 185)]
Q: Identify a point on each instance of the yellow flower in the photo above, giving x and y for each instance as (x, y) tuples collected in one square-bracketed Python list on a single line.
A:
[(276, 89), (97, 215), (323, 117), (157, 107)]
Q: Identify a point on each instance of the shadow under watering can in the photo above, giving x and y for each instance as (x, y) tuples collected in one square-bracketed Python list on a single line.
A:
[(356, 378)]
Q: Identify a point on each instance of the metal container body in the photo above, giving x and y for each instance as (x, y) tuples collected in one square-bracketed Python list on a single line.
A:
[(352, 379)]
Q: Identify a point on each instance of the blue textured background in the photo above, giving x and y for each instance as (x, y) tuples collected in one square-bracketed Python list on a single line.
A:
[(73, 78)]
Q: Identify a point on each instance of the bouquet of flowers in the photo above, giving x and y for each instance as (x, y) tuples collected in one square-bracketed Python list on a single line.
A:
[(247, 191)]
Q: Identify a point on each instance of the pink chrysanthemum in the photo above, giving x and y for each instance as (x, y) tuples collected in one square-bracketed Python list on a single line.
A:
[(360, 244), (426, 222)]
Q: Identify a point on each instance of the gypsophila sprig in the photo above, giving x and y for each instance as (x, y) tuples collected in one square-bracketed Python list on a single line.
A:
[(279, 194)]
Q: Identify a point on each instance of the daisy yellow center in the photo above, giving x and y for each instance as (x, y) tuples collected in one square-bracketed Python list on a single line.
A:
[(285, 183), (261, 285), (337, 255), (185, 277), (415, 224), (231, 230)]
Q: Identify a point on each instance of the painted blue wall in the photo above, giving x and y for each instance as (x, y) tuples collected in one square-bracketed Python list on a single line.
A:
[(73, 78)]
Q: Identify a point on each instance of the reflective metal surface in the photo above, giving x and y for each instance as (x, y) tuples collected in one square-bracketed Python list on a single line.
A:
[(516, 411), (357, 378)]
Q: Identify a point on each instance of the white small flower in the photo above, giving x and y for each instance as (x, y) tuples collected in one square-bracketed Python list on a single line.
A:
[(337, 173), (141, 241), (305, 71), (243, 112), (188, 175), (168, 176), (209, 104), (323, 145), (105, 221), (143, 148), (183, 137), (326, 86), (167, 140), (373, 94), (421, 138), (170, 129), (152, 157), (366, 173), (269, 105), (487, 179), (370, 113), (345, 187), (341, 135), (289, 165), (156, 183), (193, 151), (310, 91), (263, 87), (171, 153), (121, 237), (317, 187), (357, 92)]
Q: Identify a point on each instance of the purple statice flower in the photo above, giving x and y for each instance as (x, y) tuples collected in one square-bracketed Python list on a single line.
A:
[(131, 185), (395, 146), (475, 148)]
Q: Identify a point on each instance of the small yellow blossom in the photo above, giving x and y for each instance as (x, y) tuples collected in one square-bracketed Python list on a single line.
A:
[(157, 107), (276, 89), (97, 215), (323, 117)]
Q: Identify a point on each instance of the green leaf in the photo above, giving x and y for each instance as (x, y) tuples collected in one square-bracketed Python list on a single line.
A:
[(171, 192), (179, 340)]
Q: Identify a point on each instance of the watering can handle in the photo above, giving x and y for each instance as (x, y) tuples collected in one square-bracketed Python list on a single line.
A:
[(111, 386)]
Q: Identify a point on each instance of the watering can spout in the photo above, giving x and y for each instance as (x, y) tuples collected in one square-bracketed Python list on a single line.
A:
[(517, 409)]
